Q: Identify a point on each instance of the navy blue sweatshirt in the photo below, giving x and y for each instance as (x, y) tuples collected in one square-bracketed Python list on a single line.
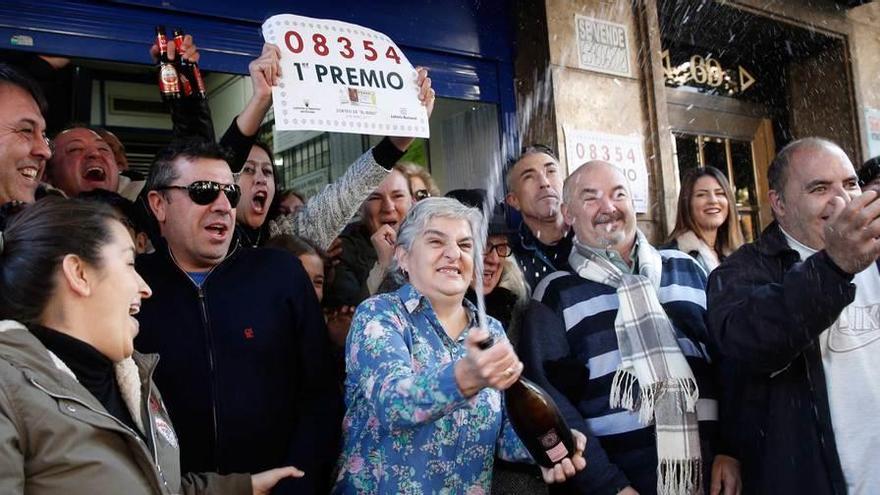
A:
[(245, 368)]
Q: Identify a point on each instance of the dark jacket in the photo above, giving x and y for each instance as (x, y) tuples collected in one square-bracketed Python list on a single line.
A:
[(536, 259), (766, 311), (245, 368), (349, 286)]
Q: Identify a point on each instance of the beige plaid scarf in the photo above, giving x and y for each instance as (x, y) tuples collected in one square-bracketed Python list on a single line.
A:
[(650, 357)]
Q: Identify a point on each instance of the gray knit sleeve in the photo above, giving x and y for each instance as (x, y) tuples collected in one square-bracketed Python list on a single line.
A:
[(324, 216)]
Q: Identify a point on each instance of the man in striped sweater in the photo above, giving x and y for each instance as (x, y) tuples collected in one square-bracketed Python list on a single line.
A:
[(619, 342)]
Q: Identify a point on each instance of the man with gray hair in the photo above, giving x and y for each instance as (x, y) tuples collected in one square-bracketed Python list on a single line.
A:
[(619, 343), (797, 314)]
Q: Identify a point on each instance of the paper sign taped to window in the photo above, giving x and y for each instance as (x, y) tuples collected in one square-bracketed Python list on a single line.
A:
[(342, 77), (625, 152)]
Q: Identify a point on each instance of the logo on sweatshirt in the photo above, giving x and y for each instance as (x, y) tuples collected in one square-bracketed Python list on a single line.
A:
[(248, 333)]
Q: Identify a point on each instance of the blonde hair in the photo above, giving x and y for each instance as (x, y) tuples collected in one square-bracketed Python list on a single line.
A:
[(410, 170)]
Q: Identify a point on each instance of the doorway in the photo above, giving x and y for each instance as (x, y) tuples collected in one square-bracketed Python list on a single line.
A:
[(733, 136)]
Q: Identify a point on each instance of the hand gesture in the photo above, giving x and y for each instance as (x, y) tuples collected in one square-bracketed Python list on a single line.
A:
[(568, 467), (852, 231), (383, 241), (334, 251), (726, 478), (265, 71), (496, 367), (262, 483), (190, 50), (426, 96)]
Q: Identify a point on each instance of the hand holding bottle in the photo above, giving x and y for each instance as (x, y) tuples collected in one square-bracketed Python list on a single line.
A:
[(496, 366), (569, 466)]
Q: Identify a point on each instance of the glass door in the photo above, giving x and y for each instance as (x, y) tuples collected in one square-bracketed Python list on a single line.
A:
[(735, 160)]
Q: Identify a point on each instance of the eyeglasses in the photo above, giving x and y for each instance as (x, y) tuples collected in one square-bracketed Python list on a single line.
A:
[(422, 194), (502, 249), (205, 192)]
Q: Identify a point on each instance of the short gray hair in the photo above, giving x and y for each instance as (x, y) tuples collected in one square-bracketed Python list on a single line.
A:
[(416, 220)]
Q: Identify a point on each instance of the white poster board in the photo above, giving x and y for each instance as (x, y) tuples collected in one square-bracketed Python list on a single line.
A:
[(602, 46), (872, 131), (342, 77), (625, 152)]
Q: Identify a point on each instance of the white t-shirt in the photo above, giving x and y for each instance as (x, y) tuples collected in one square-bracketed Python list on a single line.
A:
[(851, 359)]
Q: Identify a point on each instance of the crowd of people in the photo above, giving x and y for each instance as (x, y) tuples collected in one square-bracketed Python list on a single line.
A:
[(201, 330)]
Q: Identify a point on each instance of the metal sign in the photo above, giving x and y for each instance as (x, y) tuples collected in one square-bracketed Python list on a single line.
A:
[(706, 72), (602, 46)]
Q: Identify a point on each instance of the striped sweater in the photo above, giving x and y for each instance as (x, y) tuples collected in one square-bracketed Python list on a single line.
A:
[(569, 347)]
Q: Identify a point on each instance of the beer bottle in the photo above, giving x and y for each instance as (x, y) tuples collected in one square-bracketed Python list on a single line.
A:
[(168, 79), (537, 420), (190, 73)]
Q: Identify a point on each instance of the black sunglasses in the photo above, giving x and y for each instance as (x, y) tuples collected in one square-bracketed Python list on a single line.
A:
[(205, 192), (422, 194)]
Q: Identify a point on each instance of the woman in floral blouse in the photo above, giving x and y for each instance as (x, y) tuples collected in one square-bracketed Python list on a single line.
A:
[(425, 412)]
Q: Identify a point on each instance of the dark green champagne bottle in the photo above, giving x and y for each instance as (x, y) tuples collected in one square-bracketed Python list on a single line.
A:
[(537, 420)]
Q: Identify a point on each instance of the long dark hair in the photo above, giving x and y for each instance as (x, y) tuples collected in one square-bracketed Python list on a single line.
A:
[(37, 239), (729, 237)]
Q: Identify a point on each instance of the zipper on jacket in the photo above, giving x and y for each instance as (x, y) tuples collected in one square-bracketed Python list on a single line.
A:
[(209, 340), (152, 428), (114, 419)]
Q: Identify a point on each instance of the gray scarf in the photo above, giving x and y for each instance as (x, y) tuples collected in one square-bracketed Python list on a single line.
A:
[(651, 358)]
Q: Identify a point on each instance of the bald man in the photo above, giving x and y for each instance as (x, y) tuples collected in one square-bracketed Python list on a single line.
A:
[(626, 315), (798, 311)]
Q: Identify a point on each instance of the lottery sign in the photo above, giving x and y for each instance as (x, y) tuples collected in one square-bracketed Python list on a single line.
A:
[(342, 77), (625, 152)]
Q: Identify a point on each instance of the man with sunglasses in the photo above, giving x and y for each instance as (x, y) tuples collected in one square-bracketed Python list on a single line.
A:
[(534, 188), (24, 148), (246, 371)]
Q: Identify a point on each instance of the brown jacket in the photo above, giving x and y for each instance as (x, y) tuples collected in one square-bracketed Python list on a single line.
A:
[(56, 438)]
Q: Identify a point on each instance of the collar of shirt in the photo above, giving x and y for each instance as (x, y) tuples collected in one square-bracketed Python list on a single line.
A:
[(415, 302), (615, 258), (802, 249)]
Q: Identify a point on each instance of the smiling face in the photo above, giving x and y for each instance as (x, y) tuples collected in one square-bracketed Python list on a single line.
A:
[(116, 297), (257, 181), (536, 187), (814, 177), (493, 263), (440, 260), (23, 151), (83, 161), (709, 204), (198, 235), (599, 208), (388, 204)]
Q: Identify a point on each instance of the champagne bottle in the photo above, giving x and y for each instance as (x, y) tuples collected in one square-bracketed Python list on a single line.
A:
[(537, 420), (168, 80), (191, 77)]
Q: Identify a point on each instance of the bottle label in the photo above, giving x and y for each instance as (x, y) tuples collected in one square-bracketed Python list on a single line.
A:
[(168, 79), (553, 446)]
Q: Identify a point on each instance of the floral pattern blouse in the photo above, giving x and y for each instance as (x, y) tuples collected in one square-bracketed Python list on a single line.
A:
[(408, 429)]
